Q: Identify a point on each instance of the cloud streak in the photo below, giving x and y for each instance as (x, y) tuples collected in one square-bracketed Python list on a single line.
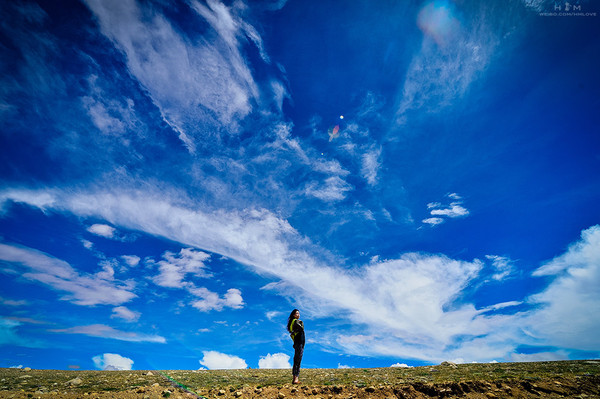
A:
[(82, 289)]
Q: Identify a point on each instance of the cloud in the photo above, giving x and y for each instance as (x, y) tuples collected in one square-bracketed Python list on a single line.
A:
[(194, 81), (85, 290), (502, 265), (174, 267), (274, 361), (401, 365), (211, 301), (451, 57), (274, 314), (104, 331), (112, 361), (440, 211), (433, 221), (371, 164), (10, 302), (343, 366), (563, 318), (417, 311), (131, 260), (122, 312), (332, 189), (219, 361), (102, 230)]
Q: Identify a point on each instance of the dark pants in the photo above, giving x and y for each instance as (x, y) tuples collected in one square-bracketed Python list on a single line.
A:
[(298, 352)]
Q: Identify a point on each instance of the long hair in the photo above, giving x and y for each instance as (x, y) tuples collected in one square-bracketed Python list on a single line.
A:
[(290, 318)]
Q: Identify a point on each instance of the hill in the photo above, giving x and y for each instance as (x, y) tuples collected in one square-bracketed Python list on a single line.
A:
[(570, 379)]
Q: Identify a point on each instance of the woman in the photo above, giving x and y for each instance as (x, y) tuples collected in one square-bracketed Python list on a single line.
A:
[(296, 329)]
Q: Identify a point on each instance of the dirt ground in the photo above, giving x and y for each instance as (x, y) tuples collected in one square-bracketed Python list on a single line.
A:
[(534, 380)]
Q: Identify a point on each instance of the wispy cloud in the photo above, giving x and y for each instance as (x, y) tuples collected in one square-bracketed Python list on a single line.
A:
[(416, 310), (440, 211), (451, 57), (193, 82), (104, 331), (122, 312), (174, 267), (82, 289)]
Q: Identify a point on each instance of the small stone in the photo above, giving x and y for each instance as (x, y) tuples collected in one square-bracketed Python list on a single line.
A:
[(27, 369), (258, 390), (315, 391), (280, 395), (156, 384), (238, 394), (149, 373), (294, 390), (370, 389), (221, 392)]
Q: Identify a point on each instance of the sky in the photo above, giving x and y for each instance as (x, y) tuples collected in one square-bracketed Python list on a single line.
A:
[(421, 179)]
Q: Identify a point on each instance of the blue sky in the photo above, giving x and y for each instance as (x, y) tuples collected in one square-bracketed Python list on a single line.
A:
[(420, 179)]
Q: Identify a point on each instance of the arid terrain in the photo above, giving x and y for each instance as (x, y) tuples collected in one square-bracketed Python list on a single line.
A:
[(565, 379)]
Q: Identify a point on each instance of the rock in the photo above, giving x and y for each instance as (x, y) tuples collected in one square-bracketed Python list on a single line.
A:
[(258, 390), (221, 392), (315, 391), (149, 373), (74, 381), (27, 369), (294, 390), (449, 364), (156, 384), (238, 394), (370, 389), (280, 395)]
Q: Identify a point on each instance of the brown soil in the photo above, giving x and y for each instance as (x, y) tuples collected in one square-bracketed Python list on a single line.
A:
[(579, 379)]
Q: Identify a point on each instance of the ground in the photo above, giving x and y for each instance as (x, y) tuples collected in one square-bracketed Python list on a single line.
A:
[(567, 379)]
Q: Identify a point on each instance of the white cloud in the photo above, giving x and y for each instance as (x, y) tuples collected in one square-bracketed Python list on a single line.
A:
[(453, 211), (274, 361), (565, 318), (102, 230), (371, 164), (332, 189), (417, 310), (131, 260), (193, 82), (433, 221), (401, 365), (218, 361), (449, 60), (343, 366), (112, 361), (502, 265), (104, 331), (174, 267), (124, 313), (211, 301), (86, 290), (274, 314), (440, 211)]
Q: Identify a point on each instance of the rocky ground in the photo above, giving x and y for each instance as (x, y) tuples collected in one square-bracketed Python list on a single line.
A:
[(568, 379)]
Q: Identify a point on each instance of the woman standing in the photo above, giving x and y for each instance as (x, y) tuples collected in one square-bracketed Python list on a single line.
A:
[(296, 329)]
